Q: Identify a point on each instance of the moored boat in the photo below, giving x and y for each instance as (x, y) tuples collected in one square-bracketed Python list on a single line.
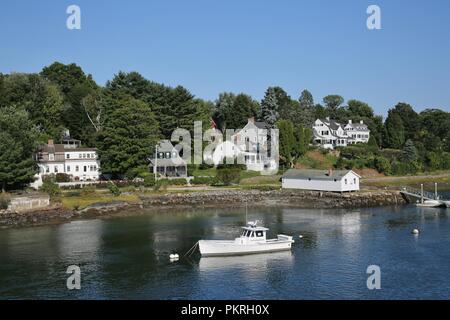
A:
[(431, 204), (252, 240)]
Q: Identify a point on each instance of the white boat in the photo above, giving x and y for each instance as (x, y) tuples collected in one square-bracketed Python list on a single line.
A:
[(447, 203), (431, 204), (252, 240)]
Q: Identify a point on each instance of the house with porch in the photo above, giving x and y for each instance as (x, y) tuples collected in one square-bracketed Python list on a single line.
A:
[(68, 157), (329, 133), (167, 162)]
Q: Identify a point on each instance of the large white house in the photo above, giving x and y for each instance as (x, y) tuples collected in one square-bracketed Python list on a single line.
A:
[(251, 144), (329, 133), (80, 164), (321, 180)]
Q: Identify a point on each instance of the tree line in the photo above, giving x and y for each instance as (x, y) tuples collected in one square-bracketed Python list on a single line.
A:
[(125, 118)]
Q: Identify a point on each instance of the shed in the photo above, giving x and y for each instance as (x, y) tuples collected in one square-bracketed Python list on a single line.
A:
[(321, 180)]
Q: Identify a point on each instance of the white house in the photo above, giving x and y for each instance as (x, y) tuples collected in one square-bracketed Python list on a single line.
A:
[(80, 164), (329, 133), (167, 161), (321, 180), (249, 144)]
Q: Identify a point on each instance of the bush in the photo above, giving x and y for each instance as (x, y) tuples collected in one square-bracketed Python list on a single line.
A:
[(149, 181), (87, 190), (204, 180), (229, 174), (63, 177), (114, 189), (382, 165), (161, 184), (51, 188), (177, 182), (5, 200)]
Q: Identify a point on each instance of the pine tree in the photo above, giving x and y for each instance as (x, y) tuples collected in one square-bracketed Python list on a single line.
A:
[(17, 145)]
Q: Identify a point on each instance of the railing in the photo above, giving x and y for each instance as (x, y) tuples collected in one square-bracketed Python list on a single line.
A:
[(419, 193)]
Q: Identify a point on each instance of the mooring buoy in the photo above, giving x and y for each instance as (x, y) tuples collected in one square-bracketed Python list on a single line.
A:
[(415, 231)]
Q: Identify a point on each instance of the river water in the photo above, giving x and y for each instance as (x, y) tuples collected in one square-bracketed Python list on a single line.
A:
[(127, 257)]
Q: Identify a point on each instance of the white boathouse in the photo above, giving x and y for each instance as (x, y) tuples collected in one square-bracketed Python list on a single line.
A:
[(321, 180)]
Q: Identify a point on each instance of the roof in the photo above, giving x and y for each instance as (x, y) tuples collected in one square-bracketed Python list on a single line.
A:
[(331, 123), (59, 148), (165, 146), (316, 174), (178, 161), (262, 125)]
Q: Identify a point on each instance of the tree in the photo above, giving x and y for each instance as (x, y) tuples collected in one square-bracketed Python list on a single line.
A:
[(304, 115), (287, 141), (75, 86), (41, 99), (129, 135), (303, 137), (410, 151), (395, 131), (332, 103), (232, 111), (359, 109), (17, 145), (410, 120), (275, 105)]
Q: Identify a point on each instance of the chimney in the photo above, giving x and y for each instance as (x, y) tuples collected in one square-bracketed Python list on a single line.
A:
[(50, 142), (361, 122), (328, 119), (349, 121), (330, 172), (252, 119)]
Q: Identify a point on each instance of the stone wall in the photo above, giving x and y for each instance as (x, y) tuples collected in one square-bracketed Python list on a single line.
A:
[(297, 198), (29, 203)]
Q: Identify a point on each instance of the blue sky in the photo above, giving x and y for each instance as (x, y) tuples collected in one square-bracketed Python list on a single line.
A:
[(211, 46)]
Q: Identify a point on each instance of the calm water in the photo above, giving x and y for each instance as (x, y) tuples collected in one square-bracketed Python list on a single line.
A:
[(128, 257)]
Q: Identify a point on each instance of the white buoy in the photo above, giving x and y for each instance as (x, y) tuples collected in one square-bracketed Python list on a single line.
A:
[(300, 236), (415, 231), (174, 257)]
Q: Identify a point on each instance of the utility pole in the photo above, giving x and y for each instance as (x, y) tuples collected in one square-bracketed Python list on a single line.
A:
[(155, 169), (421, 192)]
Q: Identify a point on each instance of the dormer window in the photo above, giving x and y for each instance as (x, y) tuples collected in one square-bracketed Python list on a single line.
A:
[(51, 156)]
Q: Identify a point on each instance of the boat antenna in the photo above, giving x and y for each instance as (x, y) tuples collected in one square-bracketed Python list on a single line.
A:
[(246, 213)]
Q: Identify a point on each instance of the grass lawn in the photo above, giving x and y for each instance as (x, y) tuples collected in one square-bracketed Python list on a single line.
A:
[(82, 201)]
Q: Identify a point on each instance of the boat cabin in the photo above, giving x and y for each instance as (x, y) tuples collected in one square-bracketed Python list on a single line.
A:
[(253, 233)]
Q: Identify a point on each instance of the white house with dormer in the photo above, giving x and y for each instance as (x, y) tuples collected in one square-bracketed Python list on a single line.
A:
[(68, 157), (251, 144), (329, 133)]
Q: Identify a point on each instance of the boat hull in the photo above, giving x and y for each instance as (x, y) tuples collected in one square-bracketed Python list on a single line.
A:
[(211, 248)]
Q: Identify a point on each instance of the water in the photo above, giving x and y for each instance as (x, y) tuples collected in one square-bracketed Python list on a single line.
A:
[(127, 257)]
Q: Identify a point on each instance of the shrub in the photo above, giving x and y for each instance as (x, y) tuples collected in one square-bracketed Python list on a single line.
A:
[(114, 189), (5, 200), (87, 190), (63, 177), (177, 182), (161, 184), (229, 174), (51, 188), (204, 180), (149, 181), (382, 165)]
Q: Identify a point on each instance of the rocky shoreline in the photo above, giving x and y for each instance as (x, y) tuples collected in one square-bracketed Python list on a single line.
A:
[(208, 199)]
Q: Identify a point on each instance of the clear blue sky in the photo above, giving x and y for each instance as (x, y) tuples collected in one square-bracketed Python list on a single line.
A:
[(211, 46)]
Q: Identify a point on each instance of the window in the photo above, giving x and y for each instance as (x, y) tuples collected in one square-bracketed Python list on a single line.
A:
[(68, 156), (79, 156), (68, 168), (84, 155), (259, 233), (56, 169), (345, 181), (354, 180), (47, 169), (77, 168), (88, 155), (85, 168), (51, 157), (168, 155)]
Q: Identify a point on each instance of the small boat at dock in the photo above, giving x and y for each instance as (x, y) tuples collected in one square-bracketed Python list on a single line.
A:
[(431, 204), (252, 240)]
